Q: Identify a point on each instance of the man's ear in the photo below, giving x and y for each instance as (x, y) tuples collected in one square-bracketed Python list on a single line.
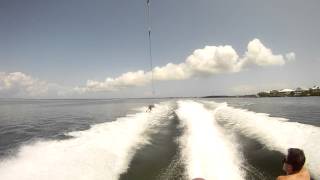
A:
[(289, 168)]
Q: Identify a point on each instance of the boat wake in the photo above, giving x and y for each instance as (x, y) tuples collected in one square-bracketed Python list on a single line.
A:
[(275, 133), (102, 152), (206, 151), (207, 147)]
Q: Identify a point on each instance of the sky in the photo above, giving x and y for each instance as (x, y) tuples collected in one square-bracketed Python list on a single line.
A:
[(99, 48)]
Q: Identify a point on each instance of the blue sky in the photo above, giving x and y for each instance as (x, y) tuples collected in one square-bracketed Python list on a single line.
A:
[(66, 43)]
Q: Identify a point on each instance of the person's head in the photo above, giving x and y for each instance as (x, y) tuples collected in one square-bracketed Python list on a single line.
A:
[(294, 161)]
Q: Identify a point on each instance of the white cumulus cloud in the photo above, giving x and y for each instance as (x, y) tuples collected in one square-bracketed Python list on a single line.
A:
[(291, 56), (258, 54), (208, 61), (202, 62), (128, 79), (18, 85)]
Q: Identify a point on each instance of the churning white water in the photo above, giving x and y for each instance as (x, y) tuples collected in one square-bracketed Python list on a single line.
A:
[(205, 149), (105, 150), (275, 133), (102, 152)]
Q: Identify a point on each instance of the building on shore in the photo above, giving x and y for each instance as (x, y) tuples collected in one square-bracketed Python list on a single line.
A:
[(286, 92), (301, 92), (314, 91)]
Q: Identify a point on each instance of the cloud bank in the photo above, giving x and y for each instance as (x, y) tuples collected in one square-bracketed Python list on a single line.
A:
[(20, 85), (208, 61)]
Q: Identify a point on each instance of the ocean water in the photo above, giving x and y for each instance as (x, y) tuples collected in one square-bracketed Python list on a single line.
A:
[(91, 139)]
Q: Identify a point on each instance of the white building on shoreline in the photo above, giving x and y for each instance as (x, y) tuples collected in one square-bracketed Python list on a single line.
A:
[(286, 92)]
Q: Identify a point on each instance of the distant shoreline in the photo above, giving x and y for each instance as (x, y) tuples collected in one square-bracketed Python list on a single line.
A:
[(255, 96), (226, 96), (215, 96)]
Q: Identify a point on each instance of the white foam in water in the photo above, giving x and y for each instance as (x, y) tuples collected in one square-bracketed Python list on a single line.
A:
[(206, 151), (275, 133), (102, 152)]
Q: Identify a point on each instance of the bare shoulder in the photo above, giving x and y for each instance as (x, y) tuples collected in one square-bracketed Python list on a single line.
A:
[(281, 178), (305, 174), (302, 175)]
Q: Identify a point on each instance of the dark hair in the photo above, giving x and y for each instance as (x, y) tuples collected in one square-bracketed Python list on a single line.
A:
[(295, 158)]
